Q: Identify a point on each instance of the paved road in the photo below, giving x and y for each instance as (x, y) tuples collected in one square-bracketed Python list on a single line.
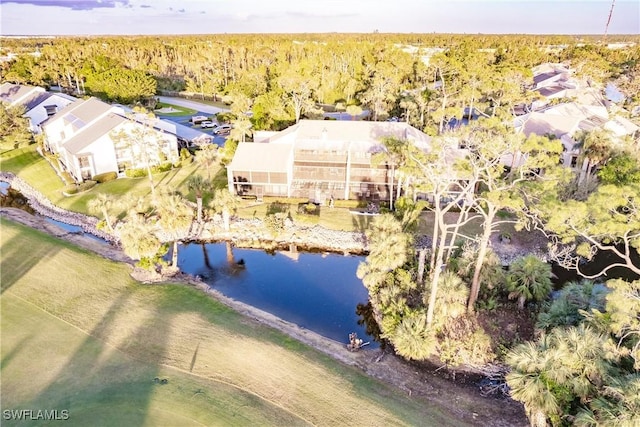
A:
[(194, 105), (201, 110)]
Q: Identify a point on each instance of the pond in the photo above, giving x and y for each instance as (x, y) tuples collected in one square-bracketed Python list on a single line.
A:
[(317, 291), (76, 229), (600, 261)]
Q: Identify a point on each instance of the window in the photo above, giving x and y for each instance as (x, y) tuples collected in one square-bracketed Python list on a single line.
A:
[(84, 162), (51, 109)]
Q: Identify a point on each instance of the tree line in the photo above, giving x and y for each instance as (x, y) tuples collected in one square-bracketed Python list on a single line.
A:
[(424, 79)]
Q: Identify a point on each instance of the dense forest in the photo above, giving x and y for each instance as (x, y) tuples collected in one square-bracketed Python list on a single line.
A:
[(423, 79), (580, 365)]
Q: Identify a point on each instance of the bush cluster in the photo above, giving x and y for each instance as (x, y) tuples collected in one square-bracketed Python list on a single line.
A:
[(79, 188), (139, 173), (105, 177)]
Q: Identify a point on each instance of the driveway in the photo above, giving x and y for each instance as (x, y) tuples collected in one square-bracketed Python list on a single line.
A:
[(194, 105)]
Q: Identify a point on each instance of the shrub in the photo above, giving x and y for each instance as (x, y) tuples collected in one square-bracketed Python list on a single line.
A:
[(70, 189), (78, 188), (140, 172), (135, 173), (105, 177), (275, 223), (284, 200), (276, 207), (185, 154), (86, 185), (309, 209), (162, 168)]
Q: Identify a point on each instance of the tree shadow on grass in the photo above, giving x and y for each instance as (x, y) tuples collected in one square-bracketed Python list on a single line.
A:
[(168, 176), (14, 264), (361, 222), (99, 383)]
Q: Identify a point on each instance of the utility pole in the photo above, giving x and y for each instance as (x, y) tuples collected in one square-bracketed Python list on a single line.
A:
[(606, 28)]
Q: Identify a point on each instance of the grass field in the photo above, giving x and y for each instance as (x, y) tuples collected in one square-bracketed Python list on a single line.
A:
[(33, 168), (179, 111), (79, 334)]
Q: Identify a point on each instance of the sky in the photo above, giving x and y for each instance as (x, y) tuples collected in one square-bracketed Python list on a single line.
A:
[(126, 17)]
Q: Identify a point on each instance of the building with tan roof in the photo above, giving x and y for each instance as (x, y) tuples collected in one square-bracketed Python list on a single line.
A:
[(319, 160)]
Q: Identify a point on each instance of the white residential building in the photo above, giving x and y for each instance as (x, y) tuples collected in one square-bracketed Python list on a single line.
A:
[(91, 137), (39, 105)]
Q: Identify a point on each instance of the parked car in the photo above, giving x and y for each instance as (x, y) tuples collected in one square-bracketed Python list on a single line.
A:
[(222, 129), (207, 124), (198, 119)]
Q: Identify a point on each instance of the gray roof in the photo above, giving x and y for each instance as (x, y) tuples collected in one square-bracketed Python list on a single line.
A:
[(344, 135), (90, 109), (10, 92), (259, 157), (91, 133), (36, 99), (541, 124), (81, 112), (181, 131)]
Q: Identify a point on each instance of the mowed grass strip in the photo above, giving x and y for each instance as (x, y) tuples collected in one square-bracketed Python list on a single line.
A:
[(79, 334), (37, 172)]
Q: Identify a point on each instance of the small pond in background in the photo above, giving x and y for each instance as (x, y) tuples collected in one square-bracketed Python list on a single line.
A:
[(317, 291)]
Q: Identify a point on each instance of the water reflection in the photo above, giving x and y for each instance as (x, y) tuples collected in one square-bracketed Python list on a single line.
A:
[(319, 292), (366, 319), (13, 199)]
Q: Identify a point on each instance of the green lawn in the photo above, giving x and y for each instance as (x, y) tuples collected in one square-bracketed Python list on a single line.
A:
[(30, 166), (217, 104), (180, 111), (79, 334)]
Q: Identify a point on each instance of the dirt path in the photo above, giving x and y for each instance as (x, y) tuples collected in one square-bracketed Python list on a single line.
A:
[(461, 398)]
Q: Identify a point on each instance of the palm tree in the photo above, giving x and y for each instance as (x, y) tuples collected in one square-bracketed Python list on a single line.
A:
[(138, 239), (552, 375), (412, 338), (175, 216), (208, 156), (388, 247), (393, 154), (596, 148), (528, 384), (529, 279), (241, 128), (225, 203), (198, 185), (102, 203), (453, 295)]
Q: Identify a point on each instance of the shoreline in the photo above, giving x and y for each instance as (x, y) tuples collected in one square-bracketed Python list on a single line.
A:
[(433, 383), (445, 387), (252, 233)]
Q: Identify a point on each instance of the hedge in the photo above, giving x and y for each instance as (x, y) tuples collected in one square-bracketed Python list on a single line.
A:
[(139, 173), (105, 177), (79, 188)]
